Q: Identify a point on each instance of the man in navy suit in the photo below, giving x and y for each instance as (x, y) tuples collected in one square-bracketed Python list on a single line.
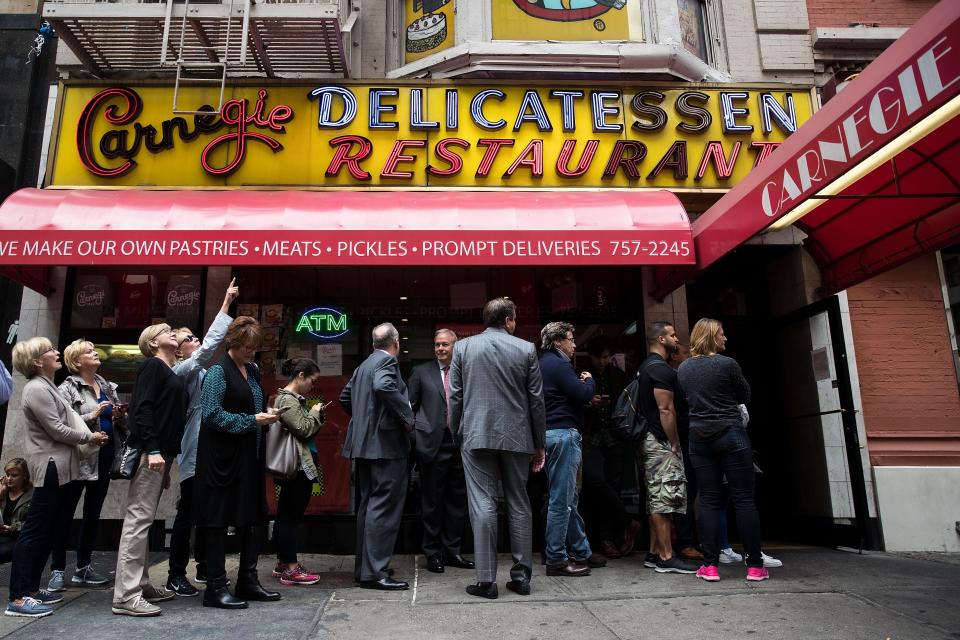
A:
[(380, 418), (444, 489)]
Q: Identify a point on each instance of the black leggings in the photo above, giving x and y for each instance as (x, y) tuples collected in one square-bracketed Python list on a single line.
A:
[(50, 510), (294, 496)]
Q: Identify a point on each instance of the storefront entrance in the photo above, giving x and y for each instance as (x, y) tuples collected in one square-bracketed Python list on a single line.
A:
[(803, 417)]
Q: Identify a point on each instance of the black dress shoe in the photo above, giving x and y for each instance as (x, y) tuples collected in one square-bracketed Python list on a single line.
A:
[(385, 584), (459, 562), (221, 599), (486, 590), (568, 568), (255, 591), (521, 587), (435, 563)]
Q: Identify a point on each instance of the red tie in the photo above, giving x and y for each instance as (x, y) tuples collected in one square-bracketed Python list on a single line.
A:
[(446, 391)]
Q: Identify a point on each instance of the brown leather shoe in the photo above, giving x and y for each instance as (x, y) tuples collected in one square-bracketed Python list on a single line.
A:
[(630, 537), (690, 553), (607, 549), (567, 569), (596, 560)]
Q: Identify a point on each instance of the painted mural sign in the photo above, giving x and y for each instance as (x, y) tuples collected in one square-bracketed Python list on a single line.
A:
[(560, 20), (429, 27)]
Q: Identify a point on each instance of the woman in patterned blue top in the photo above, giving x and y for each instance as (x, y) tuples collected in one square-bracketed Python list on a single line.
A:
[(229, 480)]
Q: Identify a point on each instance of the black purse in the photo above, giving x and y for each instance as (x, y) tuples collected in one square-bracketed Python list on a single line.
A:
[(125, 462)]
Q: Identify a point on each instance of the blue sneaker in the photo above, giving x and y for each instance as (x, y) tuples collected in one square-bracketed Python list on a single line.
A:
[(30, 608), (46, 597)]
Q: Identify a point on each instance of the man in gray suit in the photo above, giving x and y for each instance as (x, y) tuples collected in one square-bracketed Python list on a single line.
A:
[(380, 418), (497, 416)]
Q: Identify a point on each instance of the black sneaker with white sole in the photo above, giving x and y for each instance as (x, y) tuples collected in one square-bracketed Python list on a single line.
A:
[(650, 561), (675, 565), (182, 587)]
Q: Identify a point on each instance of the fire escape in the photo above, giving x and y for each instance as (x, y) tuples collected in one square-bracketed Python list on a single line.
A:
[(206, 42)]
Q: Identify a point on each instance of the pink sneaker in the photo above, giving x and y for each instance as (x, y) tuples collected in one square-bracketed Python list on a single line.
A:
[(756, 574), (298, 576), (279, 569), (708, 573)]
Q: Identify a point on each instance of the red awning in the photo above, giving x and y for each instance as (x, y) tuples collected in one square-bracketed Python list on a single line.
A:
[(873, 178), (34, 277), (73, 227)]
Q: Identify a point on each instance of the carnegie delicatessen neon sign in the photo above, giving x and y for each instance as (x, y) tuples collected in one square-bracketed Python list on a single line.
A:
[(440, 135)]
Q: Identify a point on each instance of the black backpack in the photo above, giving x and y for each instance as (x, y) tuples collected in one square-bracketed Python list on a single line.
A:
[(627, 423)]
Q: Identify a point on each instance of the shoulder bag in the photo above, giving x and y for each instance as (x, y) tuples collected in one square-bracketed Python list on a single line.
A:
[(283, 458), (125, 462)]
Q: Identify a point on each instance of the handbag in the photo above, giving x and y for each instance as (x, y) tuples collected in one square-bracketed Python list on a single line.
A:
[(283, 457), (125, 462), (89, 448)]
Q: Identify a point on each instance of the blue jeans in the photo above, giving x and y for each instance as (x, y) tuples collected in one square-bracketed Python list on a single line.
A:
[(728, 454), (565, 528)]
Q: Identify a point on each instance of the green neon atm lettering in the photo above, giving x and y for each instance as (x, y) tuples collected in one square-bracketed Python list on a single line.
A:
[(322, 322)]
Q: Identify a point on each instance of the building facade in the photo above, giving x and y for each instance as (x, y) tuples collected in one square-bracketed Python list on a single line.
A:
[(447, 124)]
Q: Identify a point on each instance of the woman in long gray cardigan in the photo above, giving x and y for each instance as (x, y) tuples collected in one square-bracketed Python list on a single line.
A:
[(50, 448)]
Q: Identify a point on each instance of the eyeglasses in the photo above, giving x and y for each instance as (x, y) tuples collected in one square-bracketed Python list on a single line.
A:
[(189, 338)]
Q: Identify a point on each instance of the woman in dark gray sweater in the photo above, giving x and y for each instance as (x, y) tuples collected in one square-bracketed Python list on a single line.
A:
[(719, 446)]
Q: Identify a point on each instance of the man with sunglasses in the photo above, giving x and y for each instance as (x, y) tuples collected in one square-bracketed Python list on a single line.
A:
[(192, 358)]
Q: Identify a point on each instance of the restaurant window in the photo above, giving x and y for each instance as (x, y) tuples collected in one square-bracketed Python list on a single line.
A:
[(694, 29), (328, 313), (111, 306), (950, 275)]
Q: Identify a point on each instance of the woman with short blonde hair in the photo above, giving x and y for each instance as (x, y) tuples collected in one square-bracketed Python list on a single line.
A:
[(158, 413), (96, 401), (50, 448)]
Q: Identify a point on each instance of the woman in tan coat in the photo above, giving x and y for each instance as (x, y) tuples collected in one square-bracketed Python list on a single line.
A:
[(50, 448)]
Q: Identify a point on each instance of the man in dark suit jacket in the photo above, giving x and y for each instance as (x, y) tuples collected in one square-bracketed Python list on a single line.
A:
[(497, 416), (380, 417), (441, 469)]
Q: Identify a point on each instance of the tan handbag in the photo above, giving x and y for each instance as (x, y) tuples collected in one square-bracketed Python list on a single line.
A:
[(90, 448), (283, 457)]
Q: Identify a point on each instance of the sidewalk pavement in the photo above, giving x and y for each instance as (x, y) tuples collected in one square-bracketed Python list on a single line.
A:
[(819, 593)]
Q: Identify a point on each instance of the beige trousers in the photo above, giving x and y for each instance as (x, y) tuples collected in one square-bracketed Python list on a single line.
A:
[(143, 498)]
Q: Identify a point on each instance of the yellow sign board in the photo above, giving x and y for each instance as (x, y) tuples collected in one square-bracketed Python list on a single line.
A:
[(429, 27), (427, 135), (562, 19)]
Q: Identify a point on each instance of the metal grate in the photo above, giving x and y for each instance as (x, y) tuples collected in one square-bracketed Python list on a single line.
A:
[(286, 40)]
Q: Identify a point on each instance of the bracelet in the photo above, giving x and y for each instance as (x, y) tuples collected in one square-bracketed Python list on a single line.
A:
[(152, 453)]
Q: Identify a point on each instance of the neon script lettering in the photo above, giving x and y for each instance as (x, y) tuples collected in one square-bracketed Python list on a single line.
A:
[(120, 106)]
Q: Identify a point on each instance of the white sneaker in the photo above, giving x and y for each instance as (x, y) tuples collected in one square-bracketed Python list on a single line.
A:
[(770, 563), (729, 556)]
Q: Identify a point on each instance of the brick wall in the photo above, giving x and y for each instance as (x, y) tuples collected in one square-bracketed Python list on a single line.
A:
[(908, 384), (884, 13)]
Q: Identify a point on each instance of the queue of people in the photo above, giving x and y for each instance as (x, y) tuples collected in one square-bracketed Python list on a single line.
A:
[(480, 418)]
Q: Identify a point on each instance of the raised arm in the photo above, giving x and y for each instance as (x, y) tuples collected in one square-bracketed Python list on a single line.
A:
[(6, 384)]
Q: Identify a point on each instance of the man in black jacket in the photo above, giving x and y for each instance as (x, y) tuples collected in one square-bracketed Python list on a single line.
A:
[(443, 486)]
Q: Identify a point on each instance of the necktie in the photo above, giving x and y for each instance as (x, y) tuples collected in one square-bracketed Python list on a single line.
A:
[(446, 391)]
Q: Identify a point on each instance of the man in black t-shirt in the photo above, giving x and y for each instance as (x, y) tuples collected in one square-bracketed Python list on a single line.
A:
[(659, 395)]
